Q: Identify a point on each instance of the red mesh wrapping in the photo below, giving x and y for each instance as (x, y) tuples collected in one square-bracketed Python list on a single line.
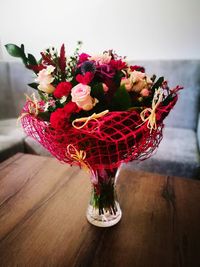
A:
[(112, 139)]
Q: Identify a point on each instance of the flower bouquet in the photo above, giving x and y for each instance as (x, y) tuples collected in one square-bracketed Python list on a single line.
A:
[(95, 111)]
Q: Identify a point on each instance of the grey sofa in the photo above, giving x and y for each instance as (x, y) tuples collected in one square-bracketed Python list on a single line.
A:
[(178, 153)]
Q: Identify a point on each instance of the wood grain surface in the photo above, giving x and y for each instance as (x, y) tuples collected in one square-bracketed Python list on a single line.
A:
[(43, 223)]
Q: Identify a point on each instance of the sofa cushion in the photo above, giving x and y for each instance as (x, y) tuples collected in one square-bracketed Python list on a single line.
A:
[(19, 79), (6, 106), (179, 72), (11, 138), (14, 78), (177, 155), (11, 127)]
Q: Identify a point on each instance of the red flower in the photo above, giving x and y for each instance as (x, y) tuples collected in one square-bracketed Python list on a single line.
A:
[(70, 108), (62, 89), (118, 64), (85, 79), (137, 68), (59, 119), (83, 57)]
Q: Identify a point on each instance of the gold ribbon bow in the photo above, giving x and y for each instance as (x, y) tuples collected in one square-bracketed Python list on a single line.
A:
[(85, 120), (33, 106), (78, 156), (151, 118)]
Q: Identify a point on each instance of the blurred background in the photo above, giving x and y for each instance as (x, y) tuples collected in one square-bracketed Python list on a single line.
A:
[(156, 29)]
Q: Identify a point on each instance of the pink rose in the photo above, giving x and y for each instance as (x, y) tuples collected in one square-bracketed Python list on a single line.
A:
[(81, 96)]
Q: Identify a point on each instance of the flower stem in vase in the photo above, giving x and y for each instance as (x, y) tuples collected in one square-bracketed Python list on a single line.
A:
[(104, 209)]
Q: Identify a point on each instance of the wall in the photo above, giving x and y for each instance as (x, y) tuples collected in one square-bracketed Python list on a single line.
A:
[(141, 29)]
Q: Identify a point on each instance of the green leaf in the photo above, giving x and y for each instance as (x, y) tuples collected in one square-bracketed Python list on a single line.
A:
[(158, 83), (16, 51), (97, 91), (33, 85), (167, 100), (43, 96), (117, 78), (122, 99), (22, 47), (32, 60), (44, 116)]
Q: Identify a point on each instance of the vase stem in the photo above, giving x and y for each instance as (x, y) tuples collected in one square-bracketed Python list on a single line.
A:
[(104, 209)]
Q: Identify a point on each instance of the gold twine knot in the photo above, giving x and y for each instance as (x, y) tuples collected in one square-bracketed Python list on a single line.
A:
[(85, 120), (78, 156), (33, 106), (151, 118)]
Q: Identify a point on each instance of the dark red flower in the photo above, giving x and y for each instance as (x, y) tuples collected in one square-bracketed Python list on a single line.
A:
[(62, 89), (118, 64), (47, 59), (85, 79), (137, 68), (36, 68), (176, 89), (62, 59), (105, 71)]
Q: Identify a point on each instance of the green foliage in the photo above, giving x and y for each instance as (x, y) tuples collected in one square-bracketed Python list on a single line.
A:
[(32, 60), (44, 116), (168, 99), (19, 52), (157, 84), (42, 96), (33, 85), (122, 99), (97, 91), (16, 51), (118, 77)]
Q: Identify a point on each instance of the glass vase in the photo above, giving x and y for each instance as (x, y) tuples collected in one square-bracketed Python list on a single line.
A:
[(104, 209)]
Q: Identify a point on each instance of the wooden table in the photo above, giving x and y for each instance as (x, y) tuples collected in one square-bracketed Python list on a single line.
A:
[(43, 223)]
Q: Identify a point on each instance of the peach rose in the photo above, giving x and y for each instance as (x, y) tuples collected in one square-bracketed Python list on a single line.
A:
[(139, 81), (127, 83), (137, 76), (45, 79), (81, 96), (138, 86), (144, 92)]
